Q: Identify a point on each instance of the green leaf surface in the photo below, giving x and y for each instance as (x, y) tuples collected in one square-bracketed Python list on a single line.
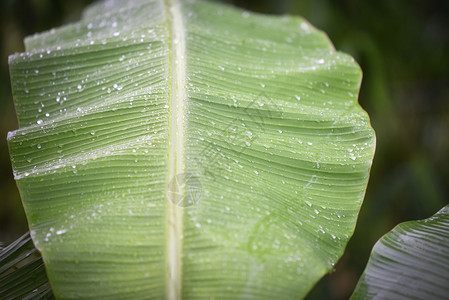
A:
[(22, 272), (188, 150), (409, 262)]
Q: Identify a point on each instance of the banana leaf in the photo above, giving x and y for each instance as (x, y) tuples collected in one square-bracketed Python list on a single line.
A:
[(409, 262), (188, 149), (22, 272)]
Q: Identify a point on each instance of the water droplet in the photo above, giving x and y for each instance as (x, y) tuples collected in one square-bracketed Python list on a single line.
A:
[(79, 86), (39, 122), (298, 98), (62, 231), (304, 26)]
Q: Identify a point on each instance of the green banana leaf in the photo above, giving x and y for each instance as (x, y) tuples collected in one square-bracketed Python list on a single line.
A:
[(409, 262), (22, 272), (187, 149)]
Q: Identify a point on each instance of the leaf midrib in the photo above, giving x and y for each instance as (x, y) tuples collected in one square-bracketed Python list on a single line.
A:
[(176, 146)]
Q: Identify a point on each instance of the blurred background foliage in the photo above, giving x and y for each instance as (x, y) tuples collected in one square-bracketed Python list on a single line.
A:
[(403, 49)]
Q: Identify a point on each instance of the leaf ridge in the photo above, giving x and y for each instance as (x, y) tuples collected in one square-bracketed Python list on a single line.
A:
[(176, 146)]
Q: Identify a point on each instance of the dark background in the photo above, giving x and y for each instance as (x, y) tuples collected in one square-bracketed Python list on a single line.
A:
[(403, 49)]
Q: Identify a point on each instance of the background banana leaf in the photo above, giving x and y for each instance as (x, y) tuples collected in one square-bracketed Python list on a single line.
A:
[(22, 271), (410, 262), (188, 150)]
